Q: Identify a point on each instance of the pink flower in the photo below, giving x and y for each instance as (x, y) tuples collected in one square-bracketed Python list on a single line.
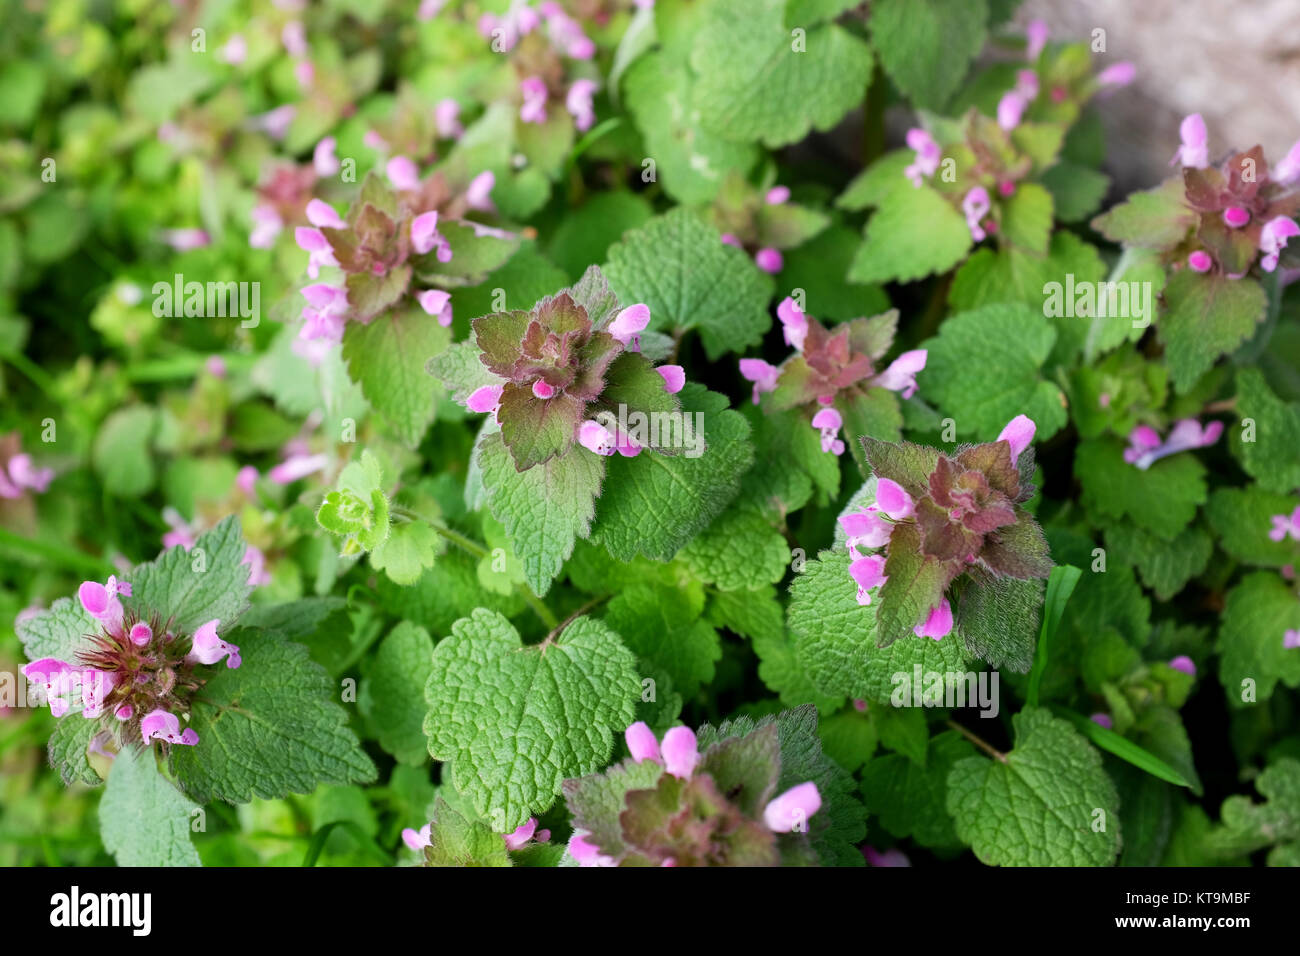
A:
[(1145, 447), (680, 751), (595, 437), (160, 725), (1291, 639), (425, 236), (641, 742), (519, 837), (578, 103), (1117, 74), (267, 224), (484, 398), (313, 242), (325, 311), (893, 500), (829, 422), (585, 852), (246, 480), (101, 602), (207, 648), (436, 302), (322, 214), (294, 38), (1035, 39), (323, 158), (23, 474), (235, 50), (794, 324), (534, 93), (927, 158), (141, 634), (1236, 216), (869, 573), (1185, 664), (1287, 171), (902, 372), (1010, 108), (674, 377), (55, 676), (96, 685), (762, 374), (777, 195), (402, 173), (1273, 238), (1284, 525), (938, 623), (256, 561), (1199, 261), (729, 239), (866, 529), (543, 389), (1194, 151), (372, 140), (304, 73), (791, 810), (478, 194), (1102, 720), (769, 260), (1018, 433), (976, 206), (418, 839), (275, 123), (183, 240), (298, 466), (446, 119), (1027, 85), (181, 533), (894, 857), (628, 325)]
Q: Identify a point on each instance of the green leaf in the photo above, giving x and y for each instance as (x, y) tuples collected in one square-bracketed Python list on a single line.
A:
[(587, 232), (544, 509), (143, 819), (835, 637), (515, 721), (1027, 218), (680, 267), (458, 841), (1162, 499), (765, 88), (191, 587), (68, 748), (459, 369), (984, 369), (1125, 749), (910, 798), (120, 454), (915, 584), (915, 233), (1205, 317), (268, 728), (473, 255), (926, 46), (392, 691), (596, 801), (1076, 190), (653, 504), (821, 266), (59, 632), (997, 620), (387, 359), (1258, 612), (663, 625), (1060, 585), (1155, 219), (739, 550), (1037, 806), (1242, 518), (1165, 566), (1273, 458), (1276, 822)]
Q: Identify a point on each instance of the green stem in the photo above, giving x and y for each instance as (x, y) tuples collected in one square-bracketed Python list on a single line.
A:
[(978, 741), (34, 372)]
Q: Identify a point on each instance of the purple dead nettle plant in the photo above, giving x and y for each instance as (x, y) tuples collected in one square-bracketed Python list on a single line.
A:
[(135, 670), (762, 221), (833, 372), (937, 518), (19, 474), (1145, 446)]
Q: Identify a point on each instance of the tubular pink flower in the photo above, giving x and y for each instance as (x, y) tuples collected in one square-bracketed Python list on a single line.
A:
[(519, 837), (893, 500), (275, 123), (533, 90), (294, 38), (24, 474), (267, 224), (313, 242), (866, 529), (125, 712), (102, 604), (1036, 34), (938, 624), (1273, 238), (478, 194), (1102, 720), (585, 852), (323, 159), (1185, 664), (1018, 433), (1027, 85), (641, 742), (1117, 74), (436, 302), (1200, 261), (372, 140), (235, 50), (55, 676), (1145, 447), (869, 573), (1287, 171), (829, 422), (762, 374), (729, 239), (141, 634), (485, 398), (543, 389), (976, 206), (1194, 151), (1010, 109), (207, 648), (298, 466), (1291, 639), (777, 196), (322, 215), (791, 810), (927, 157), (1236, 216), (595, 437), (183, 240), (246, 479), (769, 260), (794, 323), (446, 119), (418, 839), (256, 561), (402, 173), (305, 73), (578, 103), (902, 372), (96, 685), (629, 324), (160, 725), (674, 377), (680, 751), (1284, 525)]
